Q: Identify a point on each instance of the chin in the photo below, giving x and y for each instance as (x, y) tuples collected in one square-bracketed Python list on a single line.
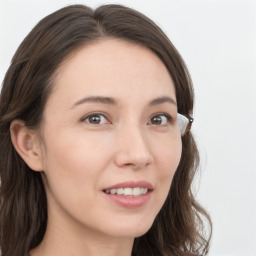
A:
[(131, 230)]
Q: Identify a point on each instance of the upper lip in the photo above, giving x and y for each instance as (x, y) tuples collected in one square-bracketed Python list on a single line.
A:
[(131, 184)]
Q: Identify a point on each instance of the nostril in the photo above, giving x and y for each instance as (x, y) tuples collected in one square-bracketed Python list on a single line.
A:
[(137, 164)]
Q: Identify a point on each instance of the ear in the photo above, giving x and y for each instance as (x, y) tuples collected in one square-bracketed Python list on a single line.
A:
[(26, 144)]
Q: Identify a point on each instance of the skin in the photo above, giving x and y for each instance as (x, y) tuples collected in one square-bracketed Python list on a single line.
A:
[(79, 159)]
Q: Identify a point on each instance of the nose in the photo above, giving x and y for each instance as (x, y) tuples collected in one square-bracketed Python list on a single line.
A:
[(133, 149)]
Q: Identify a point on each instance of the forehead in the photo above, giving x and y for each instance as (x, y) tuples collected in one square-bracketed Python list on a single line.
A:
[(112, 68)]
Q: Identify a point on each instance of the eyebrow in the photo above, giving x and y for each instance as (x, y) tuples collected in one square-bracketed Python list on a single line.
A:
[(162, 100), (95, 99), (111, 101)]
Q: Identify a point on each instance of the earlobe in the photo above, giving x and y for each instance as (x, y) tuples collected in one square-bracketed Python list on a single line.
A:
[(25, 142)]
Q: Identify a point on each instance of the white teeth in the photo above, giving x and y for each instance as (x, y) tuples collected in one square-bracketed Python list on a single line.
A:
[(128, 191), (113, 191), (120, 191), (136, 192), (145, 191)]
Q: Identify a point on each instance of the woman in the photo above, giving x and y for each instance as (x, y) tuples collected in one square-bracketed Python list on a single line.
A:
[(96, 153)]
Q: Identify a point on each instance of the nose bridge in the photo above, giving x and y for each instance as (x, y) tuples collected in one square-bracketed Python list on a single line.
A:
[(133, 146)]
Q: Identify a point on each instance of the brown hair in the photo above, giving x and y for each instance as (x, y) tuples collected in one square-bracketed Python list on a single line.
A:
[(179, 228)]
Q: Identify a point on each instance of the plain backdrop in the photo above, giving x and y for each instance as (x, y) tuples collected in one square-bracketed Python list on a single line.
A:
[(217, 40)]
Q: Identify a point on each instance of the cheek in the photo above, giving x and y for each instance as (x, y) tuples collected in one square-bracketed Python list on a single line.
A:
[(75, 161), (168, 155), (72, 151), (72, 173), (64, 164), (167, 160)]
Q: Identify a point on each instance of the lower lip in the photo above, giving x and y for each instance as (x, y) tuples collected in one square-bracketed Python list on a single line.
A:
[(129, 201)]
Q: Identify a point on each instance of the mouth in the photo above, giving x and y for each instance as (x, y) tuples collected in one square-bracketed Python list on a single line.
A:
[(137, 191), (129, 194)]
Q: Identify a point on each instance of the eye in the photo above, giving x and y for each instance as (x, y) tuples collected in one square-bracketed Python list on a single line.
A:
[(96, 119), (160, 119)]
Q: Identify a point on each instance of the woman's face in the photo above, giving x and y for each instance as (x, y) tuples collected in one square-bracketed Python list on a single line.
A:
[(111, 142)]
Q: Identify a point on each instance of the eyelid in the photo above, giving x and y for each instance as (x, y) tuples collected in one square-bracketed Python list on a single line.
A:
[(96, 113), (168, 116), (106, 116)]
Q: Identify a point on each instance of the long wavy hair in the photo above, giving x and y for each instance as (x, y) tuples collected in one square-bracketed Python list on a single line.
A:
[(182, 226)]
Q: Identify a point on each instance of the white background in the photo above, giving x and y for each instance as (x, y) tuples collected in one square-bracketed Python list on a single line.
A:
[(217, 39)]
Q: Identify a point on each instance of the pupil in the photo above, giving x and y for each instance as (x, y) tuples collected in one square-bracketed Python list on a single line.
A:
[(156, 120), (94, 119)]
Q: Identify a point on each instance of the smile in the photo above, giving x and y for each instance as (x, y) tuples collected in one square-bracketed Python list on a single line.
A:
[(127, 191), (130, 194)]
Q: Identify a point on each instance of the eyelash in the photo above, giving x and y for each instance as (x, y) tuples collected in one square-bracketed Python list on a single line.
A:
[(94, 115), (97, 114), (168, 117)]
